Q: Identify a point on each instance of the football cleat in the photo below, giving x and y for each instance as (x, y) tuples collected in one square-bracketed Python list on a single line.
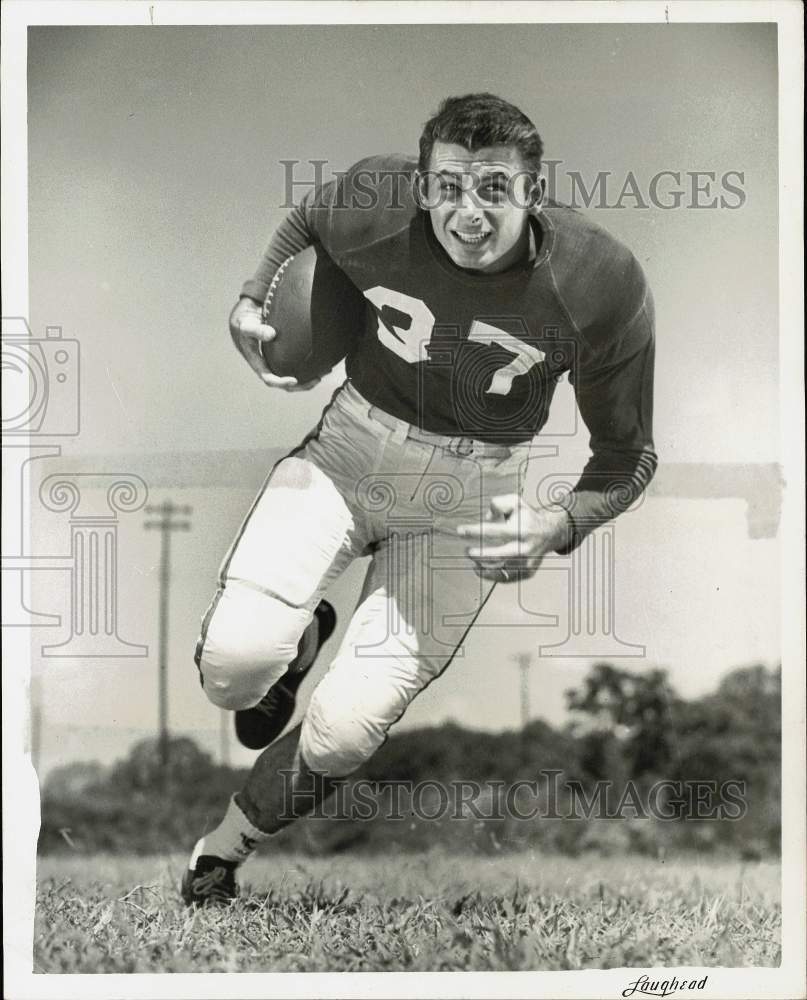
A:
[(209, 881), (260, 725)]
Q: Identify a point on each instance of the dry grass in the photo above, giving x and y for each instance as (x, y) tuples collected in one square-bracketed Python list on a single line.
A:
[(434, 912)]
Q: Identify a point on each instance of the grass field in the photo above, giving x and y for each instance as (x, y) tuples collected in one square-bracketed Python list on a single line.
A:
[(428, 912)]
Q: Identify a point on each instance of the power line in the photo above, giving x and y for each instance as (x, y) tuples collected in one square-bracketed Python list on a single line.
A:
[(165, 525)]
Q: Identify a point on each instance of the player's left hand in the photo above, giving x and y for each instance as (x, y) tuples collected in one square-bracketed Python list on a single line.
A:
[(513, 538)]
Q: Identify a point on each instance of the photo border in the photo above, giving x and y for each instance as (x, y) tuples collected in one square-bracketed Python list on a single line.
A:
[(19, 780)]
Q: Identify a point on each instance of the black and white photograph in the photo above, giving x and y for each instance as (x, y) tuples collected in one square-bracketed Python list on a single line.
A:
[(403, 518)]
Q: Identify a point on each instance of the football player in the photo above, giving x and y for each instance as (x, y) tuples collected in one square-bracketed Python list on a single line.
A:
[(480, 295)]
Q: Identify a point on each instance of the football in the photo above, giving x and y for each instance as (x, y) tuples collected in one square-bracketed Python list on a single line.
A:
[(318, 314)]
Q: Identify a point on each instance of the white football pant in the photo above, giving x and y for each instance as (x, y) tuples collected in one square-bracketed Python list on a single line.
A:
[(363, 483)]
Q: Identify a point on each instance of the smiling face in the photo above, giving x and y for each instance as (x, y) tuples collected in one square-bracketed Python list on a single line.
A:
[(479, 204)]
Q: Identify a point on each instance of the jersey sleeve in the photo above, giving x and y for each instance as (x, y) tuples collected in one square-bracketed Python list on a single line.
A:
[(370, 200), (614, 391), (299, 229)]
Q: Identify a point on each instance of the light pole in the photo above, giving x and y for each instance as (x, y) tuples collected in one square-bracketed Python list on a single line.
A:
[(165, 525)]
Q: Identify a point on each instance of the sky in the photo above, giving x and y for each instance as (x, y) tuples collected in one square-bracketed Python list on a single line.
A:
[(155, 178)]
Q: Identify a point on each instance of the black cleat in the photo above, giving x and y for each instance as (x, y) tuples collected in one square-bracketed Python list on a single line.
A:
[(210, 882), (260, 725)]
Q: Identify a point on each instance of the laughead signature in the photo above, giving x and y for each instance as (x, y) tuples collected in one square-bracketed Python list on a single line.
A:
[(662, 987)]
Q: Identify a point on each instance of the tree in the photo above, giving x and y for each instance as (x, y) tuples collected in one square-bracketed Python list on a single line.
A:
[(73, 780), (629, 712)]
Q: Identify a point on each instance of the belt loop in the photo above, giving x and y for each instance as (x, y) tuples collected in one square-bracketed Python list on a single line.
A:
[(400, 432), (398, 429)]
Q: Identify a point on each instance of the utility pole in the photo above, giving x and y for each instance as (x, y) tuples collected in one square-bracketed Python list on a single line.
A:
[(165, 525), (524, 662)]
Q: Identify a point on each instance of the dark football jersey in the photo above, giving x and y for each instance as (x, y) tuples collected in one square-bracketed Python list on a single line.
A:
[(479, 355)]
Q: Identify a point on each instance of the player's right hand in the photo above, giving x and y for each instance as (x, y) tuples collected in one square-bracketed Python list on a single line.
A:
[(248, 332)]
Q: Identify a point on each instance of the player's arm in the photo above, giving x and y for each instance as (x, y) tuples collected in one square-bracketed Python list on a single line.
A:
[(249, 333), (513, 539), (614, 391), (247, 329)]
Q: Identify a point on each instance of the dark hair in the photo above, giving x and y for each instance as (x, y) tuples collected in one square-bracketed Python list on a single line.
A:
[(479, 120)]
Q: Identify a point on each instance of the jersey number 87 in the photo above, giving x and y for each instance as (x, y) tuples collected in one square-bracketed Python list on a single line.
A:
[(411, 343)]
